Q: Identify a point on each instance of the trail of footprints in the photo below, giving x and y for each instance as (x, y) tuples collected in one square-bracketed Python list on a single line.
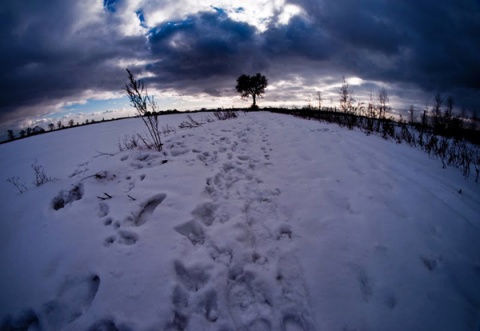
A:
[(255, 282), (76, 294), (122, 234)]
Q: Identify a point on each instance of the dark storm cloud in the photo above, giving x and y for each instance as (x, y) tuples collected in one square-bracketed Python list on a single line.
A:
[(49, 58), (299, 38), (425, 45), (431, 44), (209, 44)]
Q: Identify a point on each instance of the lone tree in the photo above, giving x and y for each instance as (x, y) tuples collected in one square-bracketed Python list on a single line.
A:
[(251, 86)]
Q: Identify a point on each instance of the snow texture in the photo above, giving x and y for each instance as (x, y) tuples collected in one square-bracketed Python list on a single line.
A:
[(264, 222)]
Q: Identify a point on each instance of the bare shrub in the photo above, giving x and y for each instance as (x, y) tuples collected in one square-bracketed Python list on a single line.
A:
[(166, 130), (40, 175), (388, 130), (190, 123), (222, 115), (208, 119), (345, 97), (442, 149), (466, 160), (383, 100), (431, 144), (477, 164), (19, 185), (147, 109), (128, 143), (444, 135), (406, 134)]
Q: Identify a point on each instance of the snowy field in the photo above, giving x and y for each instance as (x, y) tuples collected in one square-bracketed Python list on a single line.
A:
[(264, 222)]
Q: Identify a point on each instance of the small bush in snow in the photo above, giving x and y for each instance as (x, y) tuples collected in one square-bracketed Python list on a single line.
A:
[(222, 115), (128, 143), (147, 109), (208, 119), (15, 181), (40, 175), (166, 130), (190, 123)]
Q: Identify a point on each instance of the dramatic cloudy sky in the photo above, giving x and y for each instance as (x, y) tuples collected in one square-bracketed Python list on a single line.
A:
[(64, 59)]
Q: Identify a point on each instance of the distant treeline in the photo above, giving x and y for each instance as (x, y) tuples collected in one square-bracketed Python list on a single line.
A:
[(59, 125)]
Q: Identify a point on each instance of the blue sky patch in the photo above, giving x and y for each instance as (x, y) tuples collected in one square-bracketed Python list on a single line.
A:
[(141, 18), (110, 5)]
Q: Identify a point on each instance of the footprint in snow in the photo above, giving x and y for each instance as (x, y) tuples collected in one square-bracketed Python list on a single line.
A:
[(284, 232), (210, 306), (124, 237), (365, 285), (192, 278), (187, 299), (109, 240), (249, 303), (181, 310), (73, 300), (147, 209), (26, 320), (64, 198), (103, 209), (127, 238), (179, 151), (221, 255), (294, 302), (193, 231), (205, 212)]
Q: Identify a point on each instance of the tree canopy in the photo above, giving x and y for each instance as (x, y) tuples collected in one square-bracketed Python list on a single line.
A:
[(252, 86)]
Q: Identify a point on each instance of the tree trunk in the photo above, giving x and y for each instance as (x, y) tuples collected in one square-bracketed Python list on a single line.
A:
[(254, 101)]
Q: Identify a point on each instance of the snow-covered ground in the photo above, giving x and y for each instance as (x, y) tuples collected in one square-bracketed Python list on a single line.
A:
[(264, 222)]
